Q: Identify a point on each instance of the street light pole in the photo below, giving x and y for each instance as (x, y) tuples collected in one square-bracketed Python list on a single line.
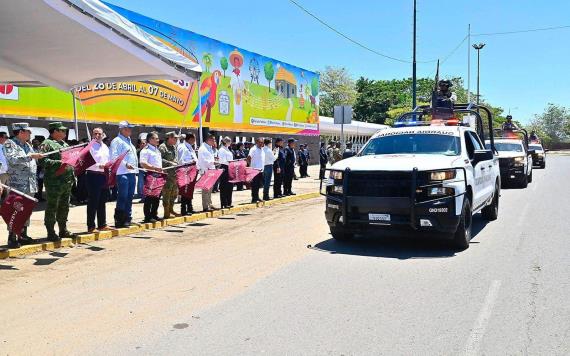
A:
[(414, 79), (478, 47)]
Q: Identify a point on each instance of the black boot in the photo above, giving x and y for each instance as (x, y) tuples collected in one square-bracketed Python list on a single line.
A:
[(25, 239), (64, 233), (120, 219), (13, 241), (52, 236)]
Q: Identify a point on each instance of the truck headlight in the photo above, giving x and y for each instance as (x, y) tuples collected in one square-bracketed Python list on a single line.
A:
[(337, 189), (442, 175), (440, 191), (336, 175), (519, 161), (541, 155)]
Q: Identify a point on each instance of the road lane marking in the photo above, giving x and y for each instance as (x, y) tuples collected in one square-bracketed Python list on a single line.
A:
[(474, 341)]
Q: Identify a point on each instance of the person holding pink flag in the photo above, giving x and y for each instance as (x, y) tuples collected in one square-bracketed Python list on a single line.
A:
[(256, 160), (226, 188), (97, 191), (151, 160), (206, 161)]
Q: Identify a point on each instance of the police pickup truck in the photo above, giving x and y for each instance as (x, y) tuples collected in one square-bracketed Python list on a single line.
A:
[(426, 175), (515, 157)]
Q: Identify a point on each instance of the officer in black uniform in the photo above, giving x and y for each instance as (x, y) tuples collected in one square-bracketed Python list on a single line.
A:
[(278, 168), (289, 167), (509, 125), (323, 159)]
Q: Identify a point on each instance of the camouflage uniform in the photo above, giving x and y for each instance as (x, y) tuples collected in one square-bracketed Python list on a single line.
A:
[(22, 169), (170, 190), (58, 188), (337, 155)]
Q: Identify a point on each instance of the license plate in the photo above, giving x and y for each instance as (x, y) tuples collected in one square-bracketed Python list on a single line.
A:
[(379, 217)]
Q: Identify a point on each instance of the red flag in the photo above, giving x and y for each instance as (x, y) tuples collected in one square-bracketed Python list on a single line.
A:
[(153, 183), (186, 180), (79, 158), (111, 169), (237, 171), (251, 174), (16, 210), (207, 181)]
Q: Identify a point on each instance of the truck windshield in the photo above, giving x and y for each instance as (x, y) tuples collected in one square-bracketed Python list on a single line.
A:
[(537, 148), (506, 147), (413, 143)]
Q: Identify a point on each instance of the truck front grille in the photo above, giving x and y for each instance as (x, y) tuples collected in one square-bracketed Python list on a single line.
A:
[(380, 184)]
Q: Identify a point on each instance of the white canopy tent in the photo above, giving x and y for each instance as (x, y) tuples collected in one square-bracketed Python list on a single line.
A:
[(357, 132), (70, 43)]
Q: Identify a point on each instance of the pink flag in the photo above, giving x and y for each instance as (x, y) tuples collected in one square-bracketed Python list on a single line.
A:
[(79, 158), (186, 180), (111, 169), (237, 171), (207, 181), (251, 174), (16, 210), (153, 183)]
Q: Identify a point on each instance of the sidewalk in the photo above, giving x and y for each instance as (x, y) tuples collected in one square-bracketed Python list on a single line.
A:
[(305, 188)]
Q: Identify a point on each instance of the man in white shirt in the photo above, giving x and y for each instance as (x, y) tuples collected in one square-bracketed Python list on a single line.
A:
[(151, 160), (187, 155), (269, 158), (256, 160), (97, 191), (3, 162), (126, 174), (206, 160), (226, 188)]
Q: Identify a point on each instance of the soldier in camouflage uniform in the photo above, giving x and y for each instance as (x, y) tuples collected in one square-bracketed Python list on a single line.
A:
[(22, 169), (169, 159), (58, 188)]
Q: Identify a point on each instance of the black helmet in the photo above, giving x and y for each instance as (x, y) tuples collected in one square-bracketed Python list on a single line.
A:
[(445, 82), (509, 117)]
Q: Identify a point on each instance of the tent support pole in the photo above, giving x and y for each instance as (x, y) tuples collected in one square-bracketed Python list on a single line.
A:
[(75, 116), (200, 110)]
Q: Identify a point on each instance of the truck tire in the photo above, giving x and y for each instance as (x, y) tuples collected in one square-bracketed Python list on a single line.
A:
[(524, 181), (530, 177), (491, 211), (543, 165), (462, 235), (340, 234)]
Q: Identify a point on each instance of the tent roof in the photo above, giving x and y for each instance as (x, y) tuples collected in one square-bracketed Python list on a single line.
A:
[(328, 127), (68, 43)]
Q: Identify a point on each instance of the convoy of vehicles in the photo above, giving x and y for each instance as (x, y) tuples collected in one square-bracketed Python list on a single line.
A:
[(515, 157), (429, 174)]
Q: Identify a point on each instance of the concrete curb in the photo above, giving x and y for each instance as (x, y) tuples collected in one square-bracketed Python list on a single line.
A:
[(105, 235)]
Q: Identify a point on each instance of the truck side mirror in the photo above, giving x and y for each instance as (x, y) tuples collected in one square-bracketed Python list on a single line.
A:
[(482, 155)]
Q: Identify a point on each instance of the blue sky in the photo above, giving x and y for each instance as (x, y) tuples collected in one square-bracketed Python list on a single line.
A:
[(523, 72)]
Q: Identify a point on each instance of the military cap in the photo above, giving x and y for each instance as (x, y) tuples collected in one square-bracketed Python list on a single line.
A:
[(171, 134), (20, 126), (57, 126), (291, 140)]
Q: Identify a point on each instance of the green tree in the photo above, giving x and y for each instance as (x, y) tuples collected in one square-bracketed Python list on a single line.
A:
[(553, 124), (337, 88), (269, 72), (372, 103), (224, 64), (207, 59)]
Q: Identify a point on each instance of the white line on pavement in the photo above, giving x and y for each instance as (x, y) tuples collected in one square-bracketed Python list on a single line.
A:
[(474, 341)]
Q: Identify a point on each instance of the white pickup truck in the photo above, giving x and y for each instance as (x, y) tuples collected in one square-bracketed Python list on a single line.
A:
[(431, 177)]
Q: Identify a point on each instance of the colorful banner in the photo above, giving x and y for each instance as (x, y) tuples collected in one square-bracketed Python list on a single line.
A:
[(239, 90)]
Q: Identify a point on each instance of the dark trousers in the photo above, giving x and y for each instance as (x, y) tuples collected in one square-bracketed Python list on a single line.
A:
[(97, 196), (256, 183), (226, 188), (186, 206), (267, 173), (288, 180), (322, 171), (150, 207), (303, 170), (277, 183)]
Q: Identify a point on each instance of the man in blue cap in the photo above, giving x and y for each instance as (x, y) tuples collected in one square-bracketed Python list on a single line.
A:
[(126, 174)]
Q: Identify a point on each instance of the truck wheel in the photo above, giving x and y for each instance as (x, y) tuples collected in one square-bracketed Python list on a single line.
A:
[(524, 181), (462, 235), (491, 211), (530, 177), (543, 165), (340, 234)]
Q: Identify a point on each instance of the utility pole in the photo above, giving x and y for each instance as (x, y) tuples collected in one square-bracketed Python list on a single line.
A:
[(414, 79), (469, 64), (478, 47)]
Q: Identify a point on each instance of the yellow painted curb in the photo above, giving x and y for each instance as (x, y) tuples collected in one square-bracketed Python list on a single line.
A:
[(104, 235)]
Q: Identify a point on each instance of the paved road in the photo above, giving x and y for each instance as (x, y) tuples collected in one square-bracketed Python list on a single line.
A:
[(250, 285)]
